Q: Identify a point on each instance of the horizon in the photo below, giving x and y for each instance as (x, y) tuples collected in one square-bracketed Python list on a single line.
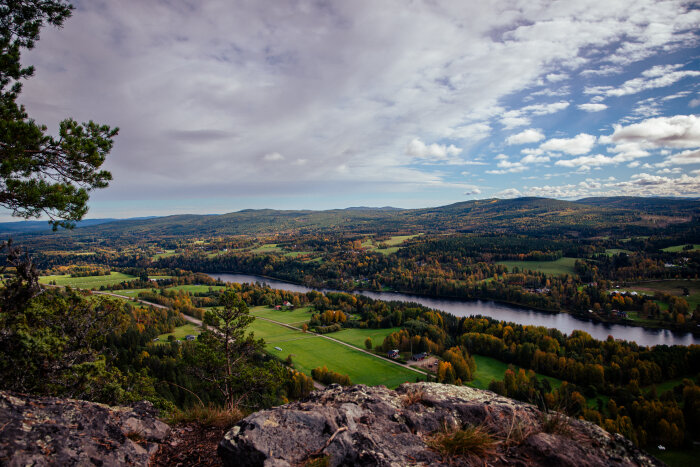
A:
[(17, 220), (224, 107)]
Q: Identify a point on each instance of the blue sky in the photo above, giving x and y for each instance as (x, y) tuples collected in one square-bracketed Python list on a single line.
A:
[(227, 105)]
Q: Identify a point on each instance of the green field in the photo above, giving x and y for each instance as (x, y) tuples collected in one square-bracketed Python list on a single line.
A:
[(196, 288), (488, 369), (268, 248), (309, 351), (559, 266), (392, 244), (296, 317), (679, 248), (180, 332), (356, 336), (616, 251), (89, 282), (671, 287), (165, 254)]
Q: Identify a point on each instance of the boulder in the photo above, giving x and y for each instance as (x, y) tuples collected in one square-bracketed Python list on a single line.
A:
[(363, 425), (67, 432)]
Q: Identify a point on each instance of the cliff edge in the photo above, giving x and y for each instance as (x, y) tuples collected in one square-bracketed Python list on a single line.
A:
[(420, 424)]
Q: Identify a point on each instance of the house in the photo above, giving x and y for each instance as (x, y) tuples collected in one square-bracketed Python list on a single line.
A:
[(190, 337), (278, 307), (393, 353), (288, 305), (419, 356)]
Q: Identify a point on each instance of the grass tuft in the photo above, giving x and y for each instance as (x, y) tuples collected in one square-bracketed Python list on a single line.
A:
[(413, 396), (473, 441), (555, 423), (206, 416)]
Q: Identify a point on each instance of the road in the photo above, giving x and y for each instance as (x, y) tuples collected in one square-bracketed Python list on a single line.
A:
[(317, 385)]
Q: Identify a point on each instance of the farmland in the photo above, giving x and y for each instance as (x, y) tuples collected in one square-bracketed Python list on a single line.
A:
[(87, 282), (559, 266)]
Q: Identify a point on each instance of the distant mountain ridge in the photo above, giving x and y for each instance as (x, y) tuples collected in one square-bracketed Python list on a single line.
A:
[(518, 215)]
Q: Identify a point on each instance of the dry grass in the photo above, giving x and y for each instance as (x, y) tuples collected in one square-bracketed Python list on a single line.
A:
[(555, 423), (473, 441), (413, 396), (206, 416)]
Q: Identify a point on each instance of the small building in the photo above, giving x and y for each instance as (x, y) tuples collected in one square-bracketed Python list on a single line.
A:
[(278, 349), (190, 337), (419, 356), (288, 305), (393, 353), (278, 307)]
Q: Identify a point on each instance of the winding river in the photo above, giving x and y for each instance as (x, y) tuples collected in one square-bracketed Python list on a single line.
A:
[(564, 322)]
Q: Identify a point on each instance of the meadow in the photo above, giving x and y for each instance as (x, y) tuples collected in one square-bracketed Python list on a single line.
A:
[(180, 332), (559, 266), (88, 282)]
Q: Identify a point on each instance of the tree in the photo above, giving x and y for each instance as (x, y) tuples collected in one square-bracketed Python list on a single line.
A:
[(368, 343), (227, 357), (40, 173)]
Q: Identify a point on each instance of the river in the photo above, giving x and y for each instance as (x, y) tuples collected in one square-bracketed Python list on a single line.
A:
[(562, 321)]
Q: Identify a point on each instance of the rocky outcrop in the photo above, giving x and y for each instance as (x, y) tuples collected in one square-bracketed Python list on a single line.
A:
[(363, 425), (66, 432)]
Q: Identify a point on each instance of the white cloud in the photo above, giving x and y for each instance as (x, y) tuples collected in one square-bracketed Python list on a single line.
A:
[(534, 159), (579, 144), (657, 77), (530, 135), (592, 107), (523, 116), (679, 131), (509, 193), (587, 161), (556, 77), (273, 157), (685, 157), (433, 152), (472, 191)]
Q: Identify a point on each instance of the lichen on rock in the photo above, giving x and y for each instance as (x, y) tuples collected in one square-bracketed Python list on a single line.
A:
[(363, 425), (55, 431)]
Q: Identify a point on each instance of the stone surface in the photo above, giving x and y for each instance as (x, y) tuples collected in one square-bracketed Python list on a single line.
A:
[(363, 425), (54, 431)]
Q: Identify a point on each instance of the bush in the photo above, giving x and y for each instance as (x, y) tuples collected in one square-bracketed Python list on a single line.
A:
[(326, 376)]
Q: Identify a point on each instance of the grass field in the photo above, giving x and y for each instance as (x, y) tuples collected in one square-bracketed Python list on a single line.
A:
[(392, 244), (671, 287), (89, 282), (309, 352), (129, 293), (297, 316), (180, 332), (678, 248), (196, 288), (165, 254), (616, 251), (268, 248), (559, 266), (357, 336), (488, 369)]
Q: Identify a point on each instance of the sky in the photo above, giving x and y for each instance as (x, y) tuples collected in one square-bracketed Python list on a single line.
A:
[(229, 105)]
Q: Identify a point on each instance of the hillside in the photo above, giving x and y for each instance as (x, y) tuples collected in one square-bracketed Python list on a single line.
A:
[(586, 217)]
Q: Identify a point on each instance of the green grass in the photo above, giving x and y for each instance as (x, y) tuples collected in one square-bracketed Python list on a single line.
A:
[(679, 248), (295, 317), (268, 248), (155, 278), (671, 287), (130, 293), (559, 266), (196, 288), (616, 251), (180, 332), (357, 336), (166, 254), (677, 457), (89, 282), (309, 352), (488, 369)]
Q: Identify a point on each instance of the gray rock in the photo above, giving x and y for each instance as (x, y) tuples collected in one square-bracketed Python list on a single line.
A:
[(53, 431), (363, 425)]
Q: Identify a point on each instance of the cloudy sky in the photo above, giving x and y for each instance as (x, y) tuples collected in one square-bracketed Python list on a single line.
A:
[(227, 105)]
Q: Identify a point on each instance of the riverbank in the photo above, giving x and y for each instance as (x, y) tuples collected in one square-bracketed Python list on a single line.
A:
[(565, 322)]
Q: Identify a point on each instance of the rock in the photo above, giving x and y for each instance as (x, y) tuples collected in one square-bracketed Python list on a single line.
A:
[(66, 432), (363, 425)]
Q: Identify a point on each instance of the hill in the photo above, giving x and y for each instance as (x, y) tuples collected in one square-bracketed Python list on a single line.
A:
[(532, 216)]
